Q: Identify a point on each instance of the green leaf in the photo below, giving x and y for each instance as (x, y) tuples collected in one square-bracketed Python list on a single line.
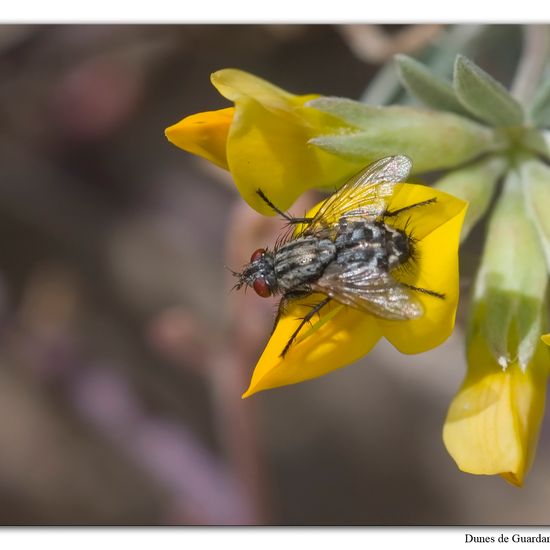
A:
[(476, 184), (432, 90), (540, 110), (484, 97), (433, 140)]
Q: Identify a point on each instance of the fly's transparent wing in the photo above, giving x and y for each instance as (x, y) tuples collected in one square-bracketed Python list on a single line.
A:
[(368, 289), (364, 196)]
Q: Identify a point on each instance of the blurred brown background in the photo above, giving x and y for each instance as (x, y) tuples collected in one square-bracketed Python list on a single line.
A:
[(122, 352)]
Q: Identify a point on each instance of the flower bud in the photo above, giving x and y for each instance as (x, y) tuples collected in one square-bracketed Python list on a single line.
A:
[(511, 283)]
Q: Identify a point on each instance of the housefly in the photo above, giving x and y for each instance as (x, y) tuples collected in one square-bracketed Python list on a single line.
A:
[(346, 251)]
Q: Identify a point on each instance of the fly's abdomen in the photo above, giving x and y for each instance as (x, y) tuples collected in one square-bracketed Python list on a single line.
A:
[(372, 243), (398, 246), (301, 261)]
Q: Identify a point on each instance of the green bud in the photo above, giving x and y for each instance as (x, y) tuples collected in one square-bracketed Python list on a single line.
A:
[(511, 283), (432, 140), (476, 184)]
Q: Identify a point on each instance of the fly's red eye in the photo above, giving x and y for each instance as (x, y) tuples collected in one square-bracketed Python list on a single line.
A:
[(257, 254), (261, 287)]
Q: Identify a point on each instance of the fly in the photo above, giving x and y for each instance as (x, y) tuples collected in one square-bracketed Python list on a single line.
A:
[(346, 252)]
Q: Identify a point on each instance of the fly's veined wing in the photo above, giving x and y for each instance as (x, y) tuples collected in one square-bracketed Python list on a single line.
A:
[(367, 289), (364, 195)]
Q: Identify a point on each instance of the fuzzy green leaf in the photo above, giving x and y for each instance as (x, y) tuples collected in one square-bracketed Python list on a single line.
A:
[(476, 184), (433, 140), (434, 91), (484, 97)]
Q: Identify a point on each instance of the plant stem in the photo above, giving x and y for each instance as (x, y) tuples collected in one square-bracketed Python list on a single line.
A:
[(536, 46)]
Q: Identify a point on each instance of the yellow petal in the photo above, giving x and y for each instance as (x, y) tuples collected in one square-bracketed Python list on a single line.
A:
[(436, 229), (341, 336), (493, 423), (204, 134), (546, 339), (236, 85), (268, 146)]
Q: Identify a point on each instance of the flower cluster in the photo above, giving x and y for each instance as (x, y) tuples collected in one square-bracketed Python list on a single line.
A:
[(478, 135)]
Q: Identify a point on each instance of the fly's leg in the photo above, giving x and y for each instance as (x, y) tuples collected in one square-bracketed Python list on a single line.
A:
[(283, 303), (392, 213), (425, 291), (290, 219), (305, 320)]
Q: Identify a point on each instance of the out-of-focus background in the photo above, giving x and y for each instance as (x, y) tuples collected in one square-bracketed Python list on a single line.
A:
[(123, 353)]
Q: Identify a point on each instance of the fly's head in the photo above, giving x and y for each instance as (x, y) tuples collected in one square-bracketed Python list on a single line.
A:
[(259, 274)]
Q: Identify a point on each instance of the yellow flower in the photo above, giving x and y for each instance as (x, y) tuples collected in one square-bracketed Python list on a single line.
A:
[(343, 334), (263, 141), (285, 143), (493, 423)]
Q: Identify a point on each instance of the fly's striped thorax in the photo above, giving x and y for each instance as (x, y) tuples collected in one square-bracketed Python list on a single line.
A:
[(302, 260)]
